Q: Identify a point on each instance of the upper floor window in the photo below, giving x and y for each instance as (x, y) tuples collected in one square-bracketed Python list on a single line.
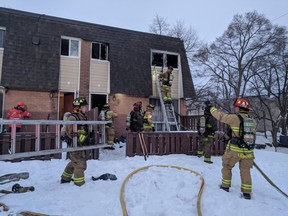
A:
[(69, 47), (2, 37), (99, 51), (161, 59)]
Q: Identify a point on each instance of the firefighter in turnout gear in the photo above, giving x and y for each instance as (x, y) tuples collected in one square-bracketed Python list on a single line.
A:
[(18, 112), (78, 163), (108, 115), (237, 150), (206, 126), (148, 125), (134, 120), (166, 83)]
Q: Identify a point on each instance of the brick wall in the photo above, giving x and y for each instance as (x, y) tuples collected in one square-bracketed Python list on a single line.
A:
[(85, 69)]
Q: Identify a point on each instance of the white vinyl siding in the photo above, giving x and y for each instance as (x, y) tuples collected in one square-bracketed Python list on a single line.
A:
[(99, 76), (69, 73)]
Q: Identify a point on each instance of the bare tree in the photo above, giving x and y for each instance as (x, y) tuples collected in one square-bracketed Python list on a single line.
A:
[(159, 25), (249, 60), (230, 58), (270, 85), (187, 34), (189, 37)]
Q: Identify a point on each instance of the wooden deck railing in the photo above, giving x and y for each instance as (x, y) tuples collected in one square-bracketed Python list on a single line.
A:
[(163, 143)]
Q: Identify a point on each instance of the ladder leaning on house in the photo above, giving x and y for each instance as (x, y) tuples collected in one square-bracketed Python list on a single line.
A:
[(168, 112)]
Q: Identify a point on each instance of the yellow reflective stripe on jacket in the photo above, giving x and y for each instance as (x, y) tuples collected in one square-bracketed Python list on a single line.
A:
[(235, 129), (212, 109)]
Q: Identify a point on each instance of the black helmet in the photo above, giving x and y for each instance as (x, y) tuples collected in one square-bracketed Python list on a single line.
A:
[(80, 102)]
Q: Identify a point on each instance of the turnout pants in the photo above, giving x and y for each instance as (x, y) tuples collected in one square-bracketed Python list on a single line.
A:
[(205, 144), (110, 134), (229, 159), (76, 166)]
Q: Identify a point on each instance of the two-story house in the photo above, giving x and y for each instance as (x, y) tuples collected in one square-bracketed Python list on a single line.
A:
[(47, 61)]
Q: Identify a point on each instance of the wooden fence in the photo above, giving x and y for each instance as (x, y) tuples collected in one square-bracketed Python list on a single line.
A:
[(164, 143)]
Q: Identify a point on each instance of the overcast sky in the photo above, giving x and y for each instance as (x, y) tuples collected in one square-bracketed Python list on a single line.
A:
[(209, 18)]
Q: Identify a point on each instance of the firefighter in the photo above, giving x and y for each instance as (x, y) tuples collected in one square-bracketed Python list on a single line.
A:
[(78, 163), (134, 120), (108, 115), (148, 125), (206, 130), (235, 150), (18, 112), (166, 83)]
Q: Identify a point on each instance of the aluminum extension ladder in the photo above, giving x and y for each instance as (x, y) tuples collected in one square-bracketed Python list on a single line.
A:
[(168, 112)]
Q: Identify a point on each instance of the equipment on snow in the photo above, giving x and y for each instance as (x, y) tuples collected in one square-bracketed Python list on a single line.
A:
[(17, 188), (106, 176), (13, 177), (5, 207), (269, 180), (30, 213), (143, 146)]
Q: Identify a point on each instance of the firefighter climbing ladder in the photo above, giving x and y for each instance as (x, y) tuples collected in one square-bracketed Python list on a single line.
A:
[(167, 110)]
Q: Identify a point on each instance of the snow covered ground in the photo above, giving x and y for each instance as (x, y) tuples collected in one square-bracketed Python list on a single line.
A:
[(157, 191)]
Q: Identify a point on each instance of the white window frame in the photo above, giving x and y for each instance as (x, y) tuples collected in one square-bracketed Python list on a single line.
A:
[(100, 44), (165, 53), (71, 39)]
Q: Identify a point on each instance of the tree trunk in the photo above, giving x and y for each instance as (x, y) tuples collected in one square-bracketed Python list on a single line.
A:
[(274, 138)]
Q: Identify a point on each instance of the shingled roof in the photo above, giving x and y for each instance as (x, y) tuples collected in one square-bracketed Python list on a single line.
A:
[(36, 67)]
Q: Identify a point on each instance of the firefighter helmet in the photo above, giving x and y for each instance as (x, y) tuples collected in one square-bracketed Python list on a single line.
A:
[(80, 102), (21, 104), (242, 103), (170, 68), (138, 104)]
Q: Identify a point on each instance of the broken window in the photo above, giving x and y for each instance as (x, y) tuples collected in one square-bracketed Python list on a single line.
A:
[(163, 59), (99, 51), (69, 47)]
